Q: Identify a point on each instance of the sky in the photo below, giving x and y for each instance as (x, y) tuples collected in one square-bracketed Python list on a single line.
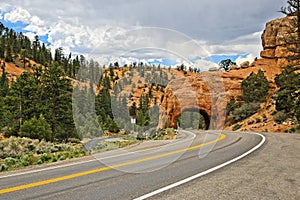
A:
[(194, 32)]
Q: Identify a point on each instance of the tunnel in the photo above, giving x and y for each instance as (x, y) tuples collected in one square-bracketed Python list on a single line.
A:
[(193, 118)]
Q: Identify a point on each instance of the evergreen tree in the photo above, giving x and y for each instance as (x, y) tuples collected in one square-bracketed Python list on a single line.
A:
[(288, 96), (3, 82), (226, 64), (133, 110), (22, 101), (8, 57), (57, 97), (255, 87), (143, 117), (58, 56), (35, 49)]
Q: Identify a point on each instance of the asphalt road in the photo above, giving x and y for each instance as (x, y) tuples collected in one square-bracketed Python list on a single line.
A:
[(131, 172)]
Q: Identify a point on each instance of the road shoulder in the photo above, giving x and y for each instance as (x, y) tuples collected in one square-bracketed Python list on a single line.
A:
[(272, 172)]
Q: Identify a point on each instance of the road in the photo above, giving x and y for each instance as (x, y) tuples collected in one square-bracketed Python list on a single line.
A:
[(131, 172)]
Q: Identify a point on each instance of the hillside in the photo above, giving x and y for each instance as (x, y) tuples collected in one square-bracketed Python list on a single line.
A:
[(139, 90)]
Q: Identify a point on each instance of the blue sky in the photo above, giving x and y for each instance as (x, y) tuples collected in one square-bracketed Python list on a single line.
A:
[(219, 58), (17, 26), (199, 31), (20, 26)]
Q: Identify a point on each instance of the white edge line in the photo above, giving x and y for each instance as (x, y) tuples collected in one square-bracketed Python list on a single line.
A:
[(204, 172), (92, 160)]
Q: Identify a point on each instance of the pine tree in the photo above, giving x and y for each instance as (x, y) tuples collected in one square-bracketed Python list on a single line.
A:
[(133, 110), (255, 87), (35, 49), (57, 98), (3, 82), (287, 99), (22, 101)]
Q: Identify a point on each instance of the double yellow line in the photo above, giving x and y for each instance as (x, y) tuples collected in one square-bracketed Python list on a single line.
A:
[(62, 178)]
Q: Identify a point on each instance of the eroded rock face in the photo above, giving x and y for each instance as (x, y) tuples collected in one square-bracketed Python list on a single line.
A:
[(278, 38), (205, 92), (209, 93)]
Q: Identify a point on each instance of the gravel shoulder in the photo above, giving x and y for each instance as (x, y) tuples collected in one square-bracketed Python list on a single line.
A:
[(272, 172)]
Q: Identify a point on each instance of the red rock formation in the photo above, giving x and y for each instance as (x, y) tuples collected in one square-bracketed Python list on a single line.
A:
[(277, 40), (210, 91)]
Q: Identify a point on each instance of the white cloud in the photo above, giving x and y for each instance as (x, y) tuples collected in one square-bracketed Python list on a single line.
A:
[(109, 30), (18, 14), (30, 35), (35, 24), (36, 21), (38, 30), (249, 58)]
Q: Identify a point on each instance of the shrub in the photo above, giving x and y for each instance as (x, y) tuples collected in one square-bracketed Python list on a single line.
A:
[(19, 152), (243, 112), (280, 117), (140, 136), (250, 122), (3, 167), (258, 120), (36, 129), (265, 119), (232, 105), (292, 130), (74, 140), (10, 161), (170, 130), (274, 112), (236, 127), (152, 133)]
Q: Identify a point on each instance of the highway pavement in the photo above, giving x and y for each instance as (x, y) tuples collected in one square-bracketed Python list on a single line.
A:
[(132, 172)]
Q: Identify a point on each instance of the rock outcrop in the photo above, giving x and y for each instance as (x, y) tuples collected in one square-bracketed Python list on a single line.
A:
[(209, 92), (278, 40)]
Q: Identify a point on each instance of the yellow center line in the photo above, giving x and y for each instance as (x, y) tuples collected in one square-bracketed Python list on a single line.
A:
[(62, 178)]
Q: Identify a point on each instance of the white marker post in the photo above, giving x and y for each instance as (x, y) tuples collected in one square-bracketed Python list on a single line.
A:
[(133, 122)]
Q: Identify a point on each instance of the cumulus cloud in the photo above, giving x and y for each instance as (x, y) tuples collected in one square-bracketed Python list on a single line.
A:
[(191, 31), (249, 58), (18, 14), (33, 23)]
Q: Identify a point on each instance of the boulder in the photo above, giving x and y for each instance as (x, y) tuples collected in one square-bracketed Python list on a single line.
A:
[(245, 65)]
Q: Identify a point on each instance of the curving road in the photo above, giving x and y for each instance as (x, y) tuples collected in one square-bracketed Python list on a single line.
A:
[(134, 172)]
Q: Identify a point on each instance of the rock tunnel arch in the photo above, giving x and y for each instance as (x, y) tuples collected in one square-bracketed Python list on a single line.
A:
[(203, 113), (203, 93)]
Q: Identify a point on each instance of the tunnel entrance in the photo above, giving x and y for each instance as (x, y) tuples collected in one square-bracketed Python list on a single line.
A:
[(193, 119)]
